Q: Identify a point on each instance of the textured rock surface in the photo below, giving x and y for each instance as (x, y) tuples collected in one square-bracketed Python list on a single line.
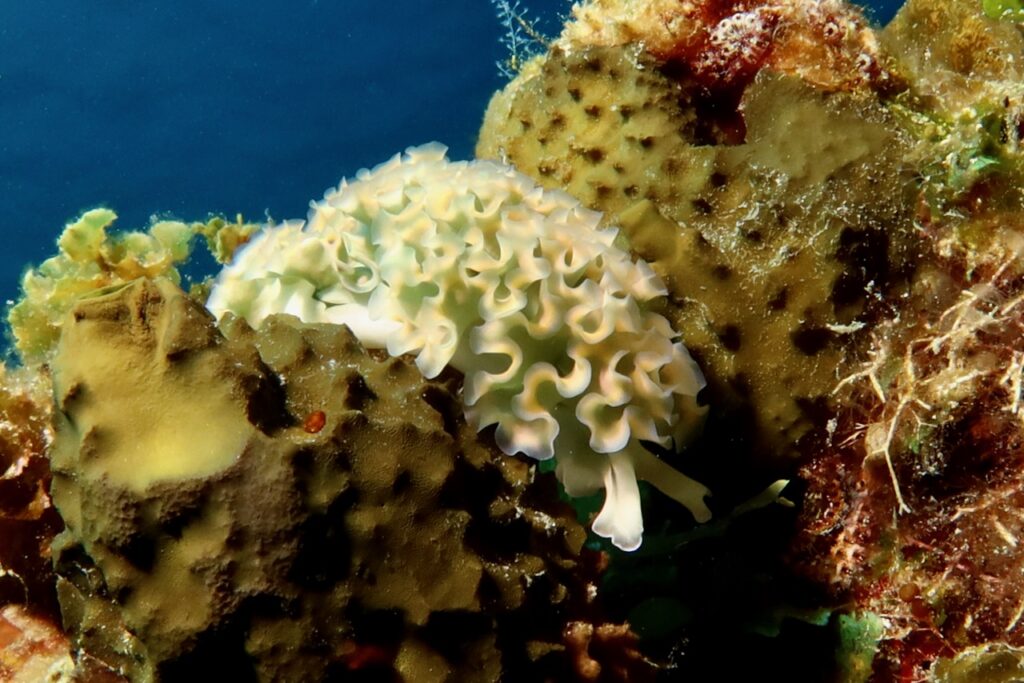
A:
[(964, 107), (723, 43), (28, 521), (32, 650), (912, 509), (348, 526), (912, 512), (776, 204)]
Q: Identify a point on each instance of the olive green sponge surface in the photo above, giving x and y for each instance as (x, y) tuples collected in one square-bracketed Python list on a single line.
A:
[(282, 505), (775, 237)]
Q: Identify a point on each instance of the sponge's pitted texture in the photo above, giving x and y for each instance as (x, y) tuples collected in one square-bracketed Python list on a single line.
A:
[(364, 532), (762, 216), (474, 265)]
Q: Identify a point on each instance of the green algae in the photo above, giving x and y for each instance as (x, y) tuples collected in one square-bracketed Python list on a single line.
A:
[(858, 643), (1005, 10), (91, 257)]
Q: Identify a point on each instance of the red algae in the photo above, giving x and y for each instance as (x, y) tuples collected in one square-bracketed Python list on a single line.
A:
[(900, 406), (723, 44), (912, 510), (28, 521), (315, 421)]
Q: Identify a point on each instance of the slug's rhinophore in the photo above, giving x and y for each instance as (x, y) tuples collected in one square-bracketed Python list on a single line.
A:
[(474, 265)]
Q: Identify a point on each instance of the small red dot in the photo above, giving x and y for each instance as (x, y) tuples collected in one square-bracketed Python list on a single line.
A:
[(315, 422)]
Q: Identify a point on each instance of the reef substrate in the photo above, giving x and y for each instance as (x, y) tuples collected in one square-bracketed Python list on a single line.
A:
[(837, 211)]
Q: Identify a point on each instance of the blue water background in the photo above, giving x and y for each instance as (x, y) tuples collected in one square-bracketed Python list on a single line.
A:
[(190, 107)]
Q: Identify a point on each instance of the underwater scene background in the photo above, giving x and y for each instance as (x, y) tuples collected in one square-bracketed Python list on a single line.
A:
[(695, 356), (191, 108)]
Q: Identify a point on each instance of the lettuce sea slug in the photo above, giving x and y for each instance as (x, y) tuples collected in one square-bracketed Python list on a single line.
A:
[(473, 265)]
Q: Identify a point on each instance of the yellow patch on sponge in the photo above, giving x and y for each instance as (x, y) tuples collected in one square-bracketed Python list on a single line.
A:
[(166, 414)]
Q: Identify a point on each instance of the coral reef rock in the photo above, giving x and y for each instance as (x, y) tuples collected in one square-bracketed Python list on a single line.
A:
[(28, 520), (32, 650), (912, 508), (282, 505)]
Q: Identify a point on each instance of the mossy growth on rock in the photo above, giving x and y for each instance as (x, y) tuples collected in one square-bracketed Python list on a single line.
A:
[(326, 515), (90, 258), (911, 507), (964, 108)]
